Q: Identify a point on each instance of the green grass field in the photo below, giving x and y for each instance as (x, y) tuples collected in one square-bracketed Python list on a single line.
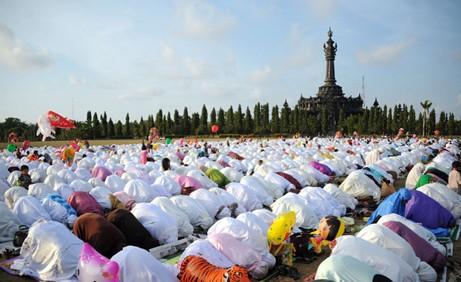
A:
[(66, 142), (96, 142)]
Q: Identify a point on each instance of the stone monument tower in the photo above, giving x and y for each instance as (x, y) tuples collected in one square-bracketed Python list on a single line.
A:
[(330, 97)]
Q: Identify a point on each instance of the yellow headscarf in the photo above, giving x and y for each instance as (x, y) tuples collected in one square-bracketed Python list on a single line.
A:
[(341, 229), (281, 227)]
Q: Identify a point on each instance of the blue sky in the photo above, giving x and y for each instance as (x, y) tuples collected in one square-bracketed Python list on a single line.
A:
[(140, 56)]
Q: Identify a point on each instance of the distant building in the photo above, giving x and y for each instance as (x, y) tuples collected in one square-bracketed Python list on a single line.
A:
[(330, 97)]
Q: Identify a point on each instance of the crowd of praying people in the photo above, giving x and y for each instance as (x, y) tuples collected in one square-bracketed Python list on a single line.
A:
[(251, 208)]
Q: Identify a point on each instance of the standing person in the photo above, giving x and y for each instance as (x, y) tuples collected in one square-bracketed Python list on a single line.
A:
[(205, 149), (143, 156), (24, 179), (454, 178), (86, 144)]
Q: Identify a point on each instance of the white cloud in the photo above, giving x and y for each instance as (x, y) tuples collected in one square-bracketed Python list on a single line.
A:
[(14, 54), (321, 8), (203, 21), (301, 51), (261, 75), (256, 94), (141, 94), (218, 89), (299, 58), (167, 52), (74, 80), (383, 54), (198, 69)]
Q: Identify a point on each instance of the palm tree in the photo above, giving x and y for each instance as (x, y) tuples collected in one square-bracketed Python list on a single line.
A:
[(426, 105)]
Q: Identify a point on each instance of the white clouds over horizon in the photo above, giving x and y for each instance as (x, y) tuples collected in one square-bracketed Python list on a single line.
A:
[(145, 55), (141, 94), (74, 80), (16, 55), (322, 9), (201, 20), (261, 75), (385, 53)]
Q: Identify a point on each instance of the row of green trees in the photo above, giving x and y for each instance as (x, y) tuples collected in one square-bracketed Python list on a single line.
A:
[(263, 120)]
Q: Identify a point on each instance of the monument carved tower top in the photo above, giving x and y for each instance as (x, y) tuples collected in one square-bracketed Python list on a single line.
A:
[(330, 48), (330, 97)]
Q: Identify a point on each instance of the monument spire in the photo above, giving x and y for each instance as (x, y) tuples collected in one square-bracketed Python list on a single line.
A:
[(330, 48), (330, 99)]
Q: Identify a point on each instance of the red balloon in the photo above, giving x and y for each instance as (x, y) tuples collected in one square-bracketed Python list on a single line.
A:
[(215, 128), (59, 121), (13, 138)]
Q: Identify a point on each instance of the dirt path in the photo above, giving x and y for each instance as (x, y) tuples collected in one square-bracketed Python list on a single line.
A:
[(454, 263)]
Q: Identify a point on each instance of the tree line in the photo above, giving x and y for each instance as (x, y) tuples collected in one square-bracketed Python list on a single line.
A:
[(262, 120)]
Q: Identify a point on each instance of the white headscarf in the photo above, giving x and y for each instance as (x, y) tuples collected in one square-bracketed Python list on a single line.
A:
[(137, 264), (51, 252)]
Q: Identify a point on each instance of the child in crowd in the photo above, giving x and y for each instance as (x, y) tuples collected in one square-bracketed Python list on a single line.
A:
[(166, 164), (143, 154), (24, 179)]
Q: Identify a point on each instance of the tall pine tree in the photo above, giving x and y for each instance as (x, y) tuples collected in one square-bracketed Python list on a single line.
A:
[(431, 123), (221, 120), (257, 118), (195, 122), (128, 133), (275, 120), (285, 118), (142, 129), (248, 123), (238, 120), (451, 125), (96, 126), (169, 126), (213, 116), (204, 121), (177, 129), (265, 122), (110, 129), (295, 120), (159, 120), (186, 122), (442, 124), (119, 129), (230, 120), (411, 120), (105, 129)]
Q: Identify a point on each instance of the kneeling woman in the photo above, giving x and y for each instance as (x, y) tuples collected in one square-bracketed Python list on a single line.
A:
[(102, 235)]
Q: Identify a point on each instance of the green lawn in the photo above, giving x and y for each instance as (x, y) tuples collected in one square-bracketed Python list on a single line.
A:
[(66, 142), (96, 142)]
